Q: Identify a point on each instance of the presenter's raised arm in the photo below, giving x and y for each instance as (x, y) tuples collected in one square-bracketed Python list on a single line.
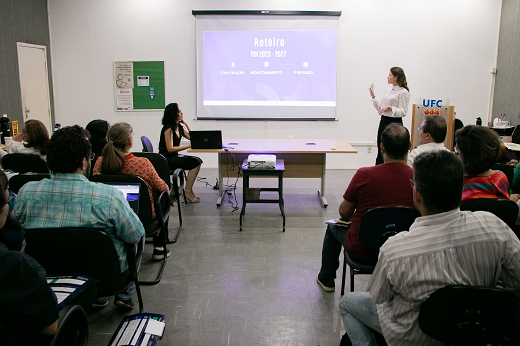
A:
[(187, 129), (374, 100), (371, 91), (168, 138)]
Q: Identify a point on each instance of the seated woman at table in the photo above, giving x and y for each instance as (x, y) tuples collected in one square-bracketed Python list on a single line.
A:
[(31, 140), (174, 128), (116, 158), (479, 149)]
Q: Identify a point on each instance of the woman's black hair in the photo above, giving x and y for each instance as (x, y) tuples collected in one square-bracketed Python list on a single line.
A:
[(171, 114), (98, 133)]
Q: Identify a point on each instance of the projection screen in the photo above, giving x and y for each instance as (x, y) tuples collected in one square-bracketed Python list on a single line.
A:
[(266, 67)]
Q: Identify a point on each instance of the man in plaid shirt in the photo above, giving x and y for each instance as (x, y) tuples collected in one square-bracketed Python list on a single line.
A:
[(69, 199)]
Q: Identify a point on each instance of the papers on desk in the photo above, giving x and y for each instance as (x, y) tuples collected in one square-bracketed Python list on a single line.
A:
[(67, 287), (339, 222), (139, 330), (513, 146)]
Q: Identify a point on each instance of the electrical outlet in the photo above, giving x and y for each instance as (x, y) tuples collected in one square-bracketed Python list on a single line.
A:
[(369, 149)]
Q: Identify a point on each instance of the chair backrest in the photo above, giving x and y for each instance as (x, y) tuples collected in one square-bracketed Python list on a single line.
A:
[(72, 321), (378, 224), (19, 180), (147, 145), (509, 171), (145, 206), (505, 209), (87, 251), (159, 163), (468, 315), (25, 163)]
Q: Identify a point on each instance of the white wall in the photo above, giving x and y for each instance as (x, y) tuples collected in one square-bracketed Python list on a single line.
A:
[(447, 49)]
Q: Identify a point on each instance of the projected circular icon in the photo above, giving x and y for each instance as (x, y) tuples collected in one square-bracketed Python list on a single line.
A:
[(232, 64), (305, 64), (266, 63)]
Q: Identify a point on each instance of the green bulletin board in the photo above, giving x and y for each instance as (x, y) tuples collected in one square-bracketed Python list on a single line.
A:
[(139, 85)]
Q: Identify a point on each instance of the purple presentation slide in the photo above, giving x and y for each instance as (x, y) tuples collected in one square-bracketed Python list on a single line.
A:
[(279, 68)]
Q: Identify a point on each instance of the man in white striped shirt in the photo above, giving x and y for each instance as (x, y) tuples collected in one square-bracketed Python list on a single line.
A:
[(445, 246)]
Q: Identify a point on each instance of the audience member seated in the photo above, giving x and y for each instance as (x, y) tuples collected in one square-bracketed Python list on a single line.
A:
[(117, 159), (31, 140), (432, 133), (28, 307), (479, 149), (445, 246), (387, 184), (174, 128), (69, 199), (98, 130)]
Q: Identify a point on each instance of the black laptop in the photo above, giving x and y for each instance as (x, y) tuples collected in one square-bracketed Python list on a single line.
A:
[(206, 139)]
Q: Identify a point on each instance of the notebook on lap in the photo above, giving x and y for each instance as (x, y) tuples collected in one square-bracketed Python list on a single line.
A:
[(131, 193), (206, 139)]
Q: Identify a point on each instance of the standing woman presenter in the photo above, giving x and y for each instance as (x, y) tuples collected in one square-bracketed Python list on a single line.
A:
[(393, 106)]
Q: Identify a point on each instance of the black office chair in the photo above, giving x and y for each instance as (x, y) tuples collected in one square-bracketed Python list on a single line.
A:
[(25, 163), (161, 167), (509, 171), (152, 227), (177, 178), (377, 225), (468, 315), (87, 251), (505, 209), (72, 329), (19, 180)]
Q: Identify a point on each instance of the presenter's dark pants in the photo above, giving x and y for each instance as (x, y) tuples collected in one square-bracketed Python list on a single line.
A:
[(385, 121)]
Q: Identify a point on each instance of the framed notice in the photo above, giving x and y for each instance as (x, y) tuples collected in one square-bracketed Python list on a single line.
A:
[(139, 85)]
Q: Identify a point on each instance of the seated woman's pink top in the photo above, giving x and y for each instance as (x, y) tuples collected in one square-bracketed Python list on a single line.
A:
[(144, 169), (495, 186)]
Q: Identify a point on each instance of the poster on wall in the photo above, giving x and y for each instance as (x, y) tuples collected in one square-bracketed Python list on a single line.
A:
[(139, 85)]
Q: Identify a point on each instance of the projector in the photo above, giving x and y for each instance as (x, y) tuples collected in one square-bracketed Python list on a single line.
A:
[(261, 161)]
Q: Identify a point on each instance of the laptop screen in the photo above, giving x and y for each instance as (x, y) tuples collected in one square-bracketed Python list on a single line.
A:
[(206, 139), (131, 193)]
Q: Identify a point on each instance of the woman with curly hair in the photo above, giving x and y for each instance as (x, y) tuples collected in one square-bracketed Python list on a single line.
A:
[(174, 128)]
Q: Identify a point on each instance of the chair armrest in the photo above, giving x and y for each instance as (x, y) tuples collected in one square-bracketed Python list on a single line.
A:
[(162, 206), (70, 316), (134, 253), (178, 173)]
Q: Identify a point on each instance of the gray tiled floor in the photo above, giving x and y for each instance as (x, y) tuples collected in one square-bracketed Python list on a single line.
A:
[(256, 287)]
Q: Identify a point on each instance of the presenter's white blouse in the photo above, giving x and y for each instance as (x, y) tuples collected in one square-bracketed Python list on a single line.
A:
[(396, 97)]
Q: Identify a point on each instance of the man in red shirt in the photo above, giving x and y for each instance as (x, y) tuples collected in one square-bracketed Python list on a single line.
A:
[(371, 187)]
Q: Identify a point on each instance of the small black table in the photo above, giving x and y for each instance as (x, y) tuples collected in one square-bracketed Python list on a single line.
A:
[(252, 195)]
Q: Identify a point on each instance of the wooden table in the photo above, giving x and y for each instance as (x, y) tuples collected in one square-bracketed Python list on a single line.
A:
[(303, 158)]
